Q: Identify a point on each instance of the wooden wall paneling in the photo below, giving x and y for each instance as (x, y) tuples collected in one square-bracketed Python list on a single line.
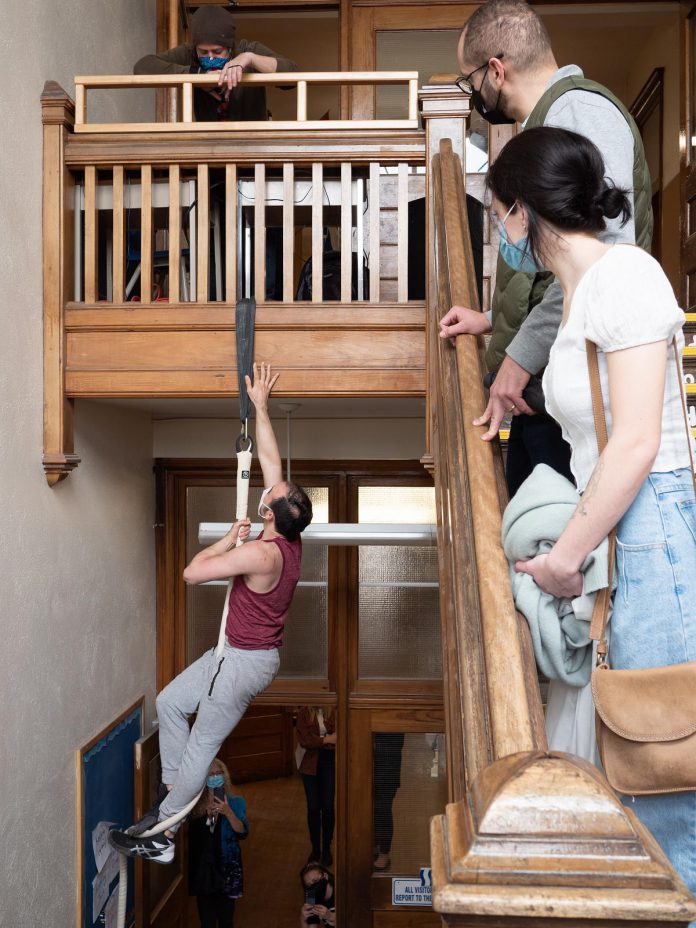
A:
[(317, 232), (359, 777), (118, 240), (288, 231), (202, 232), (57, 114), (260, 233), (146, 236)]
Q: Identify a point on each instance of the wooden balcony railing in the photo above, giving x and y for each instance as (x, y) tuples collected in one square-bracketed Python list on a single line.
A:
[(531, 837), (184, 84), (150, 237)]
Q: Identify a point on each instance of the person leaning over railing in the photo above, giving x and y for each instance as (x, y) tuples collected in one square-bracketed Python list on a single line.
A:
[(550, 198), (214, 48), (509, 68)]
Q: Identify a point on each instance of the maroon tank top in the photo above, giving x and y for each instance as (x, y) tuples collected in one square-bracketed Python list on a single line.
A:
[(255, 621)]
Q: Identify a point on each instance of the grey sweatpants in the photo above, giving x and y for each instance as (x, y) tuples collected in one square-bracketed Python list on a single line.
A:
[(220, 689)]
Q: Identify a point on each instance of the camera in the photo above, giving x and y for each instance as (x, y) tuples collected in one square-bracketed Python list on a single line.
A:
[(219, 792)]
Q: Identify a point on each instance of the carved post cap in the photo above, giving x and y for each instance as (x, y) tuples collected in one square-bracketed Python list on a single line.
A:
[(57, 107), (543, 834), (442, 99)]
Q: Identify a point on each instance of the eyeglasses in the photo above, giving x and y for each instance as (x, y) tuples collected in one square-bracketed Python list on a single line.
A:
[(464, 80)]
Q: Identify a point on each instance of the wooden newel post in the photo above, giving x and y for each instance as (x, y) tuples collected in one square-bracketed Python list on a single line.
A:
[(445, 110), (58, 117)]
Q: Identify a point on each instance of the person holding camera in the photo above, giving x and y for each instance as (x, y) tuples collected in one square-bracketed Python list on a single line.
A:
[(218, 824), (320, 898)]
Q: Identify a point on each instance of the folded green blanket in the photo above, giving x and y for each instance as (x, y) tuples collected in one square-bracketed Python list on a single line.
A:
[(532, 522)]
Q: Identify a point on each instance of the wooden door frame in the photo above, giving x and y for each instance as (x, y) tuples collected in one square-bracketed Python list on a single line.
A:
[(358, 870)]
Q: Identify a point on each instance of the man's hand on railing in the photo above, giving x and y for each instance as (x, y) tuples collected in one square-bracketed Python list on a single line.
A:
[(232, 71), (462, 321), (505, 396)]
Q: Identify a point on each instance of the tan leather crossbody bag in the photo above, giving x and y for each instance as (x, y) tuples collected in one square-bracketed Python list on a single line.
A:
[(646, 719)]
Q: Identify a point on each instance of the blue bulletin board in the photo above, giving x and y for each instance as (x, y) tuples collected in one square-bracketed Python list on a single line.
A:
[(105, 782)]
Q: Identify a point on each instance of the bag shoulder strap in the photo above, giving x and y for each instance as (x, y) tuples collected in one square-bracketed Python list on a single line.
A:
[(600, 612)]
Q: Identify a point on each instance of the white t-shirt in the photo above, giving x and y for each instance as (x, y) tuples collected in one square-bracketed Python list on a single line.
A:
[(623, 300)]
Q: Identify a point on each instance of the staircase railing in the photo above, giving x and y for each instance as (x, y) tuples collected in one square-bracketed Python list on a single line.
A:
[(531, 837)]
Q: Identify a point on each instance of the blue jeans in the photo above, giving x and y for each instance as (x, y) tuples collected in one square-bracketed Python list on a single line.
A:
[(653, 624)]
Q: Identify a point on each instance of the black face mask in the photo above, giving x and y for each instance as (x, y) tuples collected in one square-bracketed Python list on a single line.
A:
[(495, 116)]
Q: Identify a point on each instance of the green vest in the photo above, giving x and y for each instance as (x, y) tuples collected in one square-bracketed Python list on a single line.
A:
[(516, 294)]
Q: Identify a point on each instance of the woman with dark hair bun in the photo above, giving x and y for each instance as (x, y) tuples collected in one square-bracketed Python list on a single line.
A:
[(550, 199)]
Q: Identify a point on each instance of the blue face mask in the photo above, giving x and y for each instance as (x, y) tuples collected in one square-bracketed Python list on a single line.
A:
[(213, 64), (516, 255), (215, 780)]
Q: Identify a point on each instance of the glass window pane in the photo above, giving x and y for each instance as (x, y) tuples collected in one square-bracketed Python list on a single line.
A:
[(304, 651), (399, 616), (409, 787)]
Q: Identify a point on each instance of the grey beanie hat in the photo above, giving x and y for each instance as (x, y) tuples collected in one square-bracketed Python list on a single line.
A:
[(210, 24)]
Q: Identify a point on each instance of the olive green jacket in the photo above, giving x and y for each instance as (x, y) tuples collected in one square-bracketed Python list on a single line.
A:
[(525, 336)]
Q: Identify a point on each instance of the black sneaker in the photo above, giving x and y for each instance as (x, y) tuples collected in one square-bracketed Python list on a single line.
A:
[(159, 848), (151, 817)]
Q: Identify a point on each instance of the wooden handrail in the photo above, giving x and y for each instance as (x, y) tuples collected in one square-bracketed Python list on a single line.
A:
[(302, 80), (534, 838)]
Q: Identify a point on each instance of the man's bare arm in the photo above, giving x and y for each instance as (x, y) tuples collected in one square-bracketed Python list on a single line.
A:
[(218, 562), (266, 444)]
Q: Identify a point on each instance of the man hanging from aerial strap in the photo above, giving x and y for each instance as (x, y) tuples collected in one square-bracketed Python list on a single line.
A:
[(219, 688)]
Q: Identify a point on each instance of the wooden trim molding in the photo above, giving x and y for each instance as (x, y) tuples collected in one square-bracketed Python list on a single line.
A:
[(57, 116)]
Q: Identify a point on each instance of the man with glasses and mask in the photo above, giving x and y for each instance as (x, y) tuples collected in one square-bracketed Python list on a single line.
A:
[(509, 69), (214, 48), (265, 573)]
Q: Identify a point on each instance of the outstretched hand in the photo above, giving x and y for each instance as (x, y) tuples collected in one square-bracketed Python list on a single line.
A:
[(264, 381)]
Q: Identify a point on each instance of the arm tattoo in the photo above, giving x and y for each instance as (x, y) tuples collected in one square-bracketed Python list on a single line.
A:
[(590, 489)]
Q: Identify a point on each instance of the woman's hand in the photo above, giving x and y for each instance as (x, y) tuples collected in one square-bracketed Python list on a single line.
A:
[(323, 912), (220, 807), (552, 578), (330, 738)]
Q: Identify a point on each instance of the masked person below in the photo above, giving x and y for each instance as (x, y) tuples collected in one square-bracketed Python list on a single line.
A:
[(319, 907), (215, 48)]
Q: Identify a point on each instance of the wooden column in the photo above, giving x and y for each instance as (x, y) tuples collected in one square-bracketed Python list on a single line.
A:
[(444, 109), (57, 116)]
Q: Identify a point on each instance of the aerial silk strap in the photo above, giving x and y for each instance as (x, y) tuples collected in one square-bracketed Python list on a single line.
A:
[(244, 324), (245, 317)]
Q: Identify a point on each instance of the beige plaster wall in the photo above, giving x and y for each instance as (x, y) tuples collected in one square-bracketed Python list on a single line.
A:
[(77, 613), (324, 439)]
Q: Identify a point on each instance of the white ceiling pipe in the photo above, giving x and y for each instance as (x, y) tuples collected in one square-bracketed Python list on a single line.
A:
[(340, 533)]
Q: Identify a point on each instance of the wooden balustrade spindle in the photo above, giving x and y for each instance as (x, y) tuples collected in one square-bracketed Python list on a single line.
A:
[(260, 233), (174, 233), (317, 232), (231, 233), (80, 104), (374, 233), (91, 234), (301, 101), (346, 233), (146, 233), (118, 252), (203, 233), (402, 234), (187, 102), (288, 231)]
